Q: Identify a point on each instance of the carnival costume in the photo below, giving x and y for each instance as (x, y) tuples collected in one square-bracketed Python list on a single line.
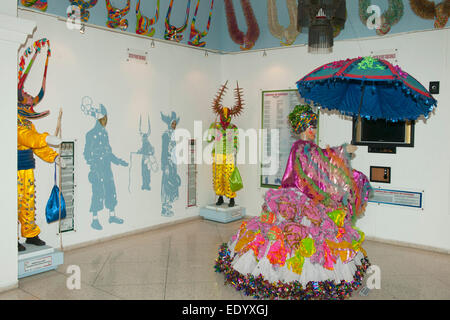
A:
[(226, 144), (304, 245), (30, 143)]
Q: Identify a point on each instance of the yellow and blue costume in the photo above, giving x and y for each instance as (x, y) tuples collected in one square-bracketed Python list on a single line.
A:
[(29, 142)]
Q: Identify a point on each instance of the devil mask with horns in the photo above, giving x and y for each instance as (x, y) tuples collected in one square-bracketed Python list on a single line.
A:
[(225, 113)]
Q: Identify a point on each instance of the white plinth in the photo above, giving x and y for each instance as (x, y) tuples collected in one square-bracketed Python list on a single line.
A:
[(222, 213), (37, 259)]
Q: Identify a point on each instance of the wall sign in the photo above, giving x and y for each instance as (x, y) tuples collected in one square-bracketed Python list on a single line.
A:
[(192, 175), (68, 184), (397, 197), (390, 55), (276, 106), (137, 56)]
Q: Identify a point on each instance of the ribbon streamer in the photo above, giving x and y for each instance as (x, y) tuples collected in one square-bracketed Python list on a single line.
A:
[(38, 4), (195, 35), (173, 33), (83, 5), (115, 15), (143, 23)]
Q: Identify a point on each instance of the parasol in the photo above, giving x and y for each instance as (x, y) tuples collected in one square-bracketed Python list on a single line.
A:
[(367, 87)]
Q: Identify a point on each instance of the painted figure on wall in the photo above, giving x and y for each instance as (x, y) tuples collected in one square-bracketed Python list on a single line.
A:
[(29, 143), (226, 144), (99, 156), (170, 181), (148, 161)]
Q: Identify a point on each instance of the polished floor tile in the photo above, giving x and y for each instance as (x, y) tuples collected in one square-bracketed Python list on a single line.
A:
[(176, 262)]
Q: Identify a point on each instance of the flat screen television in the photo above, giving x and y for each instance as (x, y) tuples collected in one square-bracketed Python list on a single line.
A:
[(381, 135)]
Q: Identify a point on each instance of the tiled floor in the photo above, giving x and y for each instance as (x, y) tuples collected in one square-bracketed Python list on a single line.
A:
[(177, 262)]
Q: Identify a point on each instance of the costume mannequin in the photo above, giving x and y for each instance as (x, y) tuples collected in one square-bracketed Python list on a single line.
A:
[(226, 144), (305, 244), (30, 143)]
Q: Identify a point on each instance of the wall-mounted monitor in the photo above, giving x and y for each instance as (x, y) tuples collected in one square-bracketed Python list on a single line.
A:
[(381, 135)]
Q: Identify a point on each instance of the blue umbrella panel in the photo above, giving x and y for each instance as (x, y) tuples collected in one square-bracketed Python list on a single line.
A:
[(367, 87)]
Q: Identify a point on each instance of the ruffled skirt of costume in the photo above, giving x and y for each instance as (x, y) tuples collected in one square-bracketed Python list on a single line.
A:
[(295, 250)]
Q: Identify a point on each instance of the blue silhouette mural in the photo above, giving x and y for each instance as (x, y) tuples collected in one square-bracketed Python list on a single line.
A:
[(99, 156), (148, 161), (170, 181)]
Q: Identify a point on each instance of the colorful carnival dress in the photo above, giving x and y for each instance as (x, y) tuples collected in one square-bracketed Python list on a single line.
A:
[(304, 245), (226, 144)]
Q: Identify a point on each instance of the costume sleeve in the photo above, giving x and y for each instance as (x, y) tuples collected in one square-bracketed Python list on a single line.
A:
[(30, 138), (46, 153)]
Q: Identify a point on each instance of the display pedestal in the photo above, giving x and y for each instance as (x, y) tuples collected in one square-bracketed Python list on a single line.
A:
[(37, 259), (222, 213)]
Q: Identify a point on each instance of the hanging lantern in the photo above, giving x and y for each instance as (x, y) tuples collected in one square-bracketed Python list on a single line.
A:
[(324, 20), (320, 37)]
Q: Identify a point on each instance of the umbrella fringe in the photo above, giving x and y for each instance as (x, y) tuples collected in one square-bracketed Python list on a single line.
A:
[(431, 103)]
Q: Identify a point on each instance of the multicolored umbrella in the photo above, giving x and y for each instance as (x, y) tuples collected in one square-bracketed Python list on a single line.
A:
[(367, 87)]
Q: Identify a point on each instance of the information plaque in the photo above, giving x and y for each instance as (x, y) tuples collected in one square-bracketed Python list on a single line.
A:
[(276, 106), (68, 184), (397, 197)]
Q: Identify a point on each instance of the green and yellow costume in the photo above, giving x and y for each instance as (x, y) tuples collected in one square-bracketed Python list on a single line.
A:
[(225, 135)]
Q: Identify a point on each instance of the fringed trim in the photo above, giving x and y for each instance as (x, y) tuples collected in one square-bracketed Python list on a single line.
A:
[(260, 288)]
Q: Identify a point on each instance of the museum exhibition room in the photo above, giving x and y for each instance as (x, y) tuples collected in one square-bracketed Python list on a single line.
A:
[(226, 150)]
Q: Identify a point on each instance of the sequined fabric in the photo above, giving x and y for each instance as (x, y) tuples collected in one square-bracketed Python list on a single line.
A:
[(28, 138)]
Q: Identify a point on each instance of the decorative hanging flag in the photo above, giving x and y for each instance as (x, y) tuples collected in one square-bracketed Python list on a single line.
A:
[(83, 5), (38, 4), (173, 33), (195, 35), (143, 23), (115, 15)]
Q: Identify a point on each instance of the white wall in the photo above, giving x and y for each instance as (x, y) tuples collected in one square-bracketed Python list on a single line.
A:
[(13, 33), (424, 167), (94, 64), (184, 80)]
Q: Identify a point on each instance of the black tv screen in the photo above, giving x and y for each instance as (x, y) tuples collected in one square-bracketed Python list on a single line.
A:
[(382, 131)]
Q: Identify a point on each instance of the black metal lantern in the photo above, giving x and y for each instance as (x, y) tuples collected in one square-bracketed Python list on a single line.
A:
[(324, 20)]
